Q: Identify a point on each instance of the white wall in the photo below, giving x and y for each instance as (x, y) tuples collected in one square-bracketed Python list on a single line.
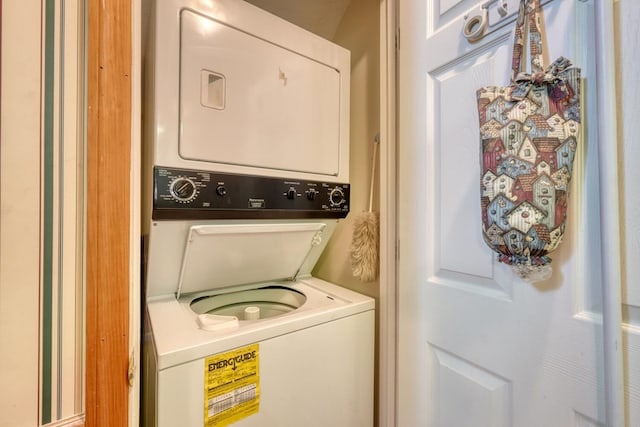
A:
[(20, 213), (41, 197)]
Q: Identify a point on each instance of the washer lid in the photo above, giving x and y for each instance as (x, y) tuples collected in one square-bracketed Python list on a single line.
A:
[(219, 256)]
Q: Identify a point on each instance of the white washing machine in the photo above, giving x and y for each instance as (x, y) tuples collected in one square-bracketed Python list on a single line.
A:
[(246, 139), (247, 336)]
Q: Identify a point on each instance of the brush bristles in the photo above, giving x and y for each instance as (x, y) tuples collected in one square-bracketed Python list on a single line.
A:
[(364, 247)]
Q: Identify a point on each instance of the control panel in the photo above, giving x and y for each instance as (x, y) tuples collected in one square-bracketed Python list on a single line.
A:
[(192, 194)]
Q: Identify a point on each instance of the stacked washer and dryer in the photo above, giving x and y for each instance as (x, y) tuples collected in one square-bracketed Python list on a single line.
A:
[(246, 176)]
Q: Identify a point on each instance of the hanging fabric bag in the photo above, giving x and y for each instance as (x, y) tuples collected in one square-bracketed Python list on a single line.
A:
[(529, 133)]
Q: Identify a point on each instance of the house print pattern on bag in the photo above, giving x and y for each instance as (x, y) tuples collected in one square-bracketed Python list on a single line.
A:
[(529, 133)]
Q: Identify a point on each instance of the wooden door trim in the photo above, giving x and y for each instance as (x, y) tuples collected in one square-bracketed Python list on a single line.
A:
[(108, 202)]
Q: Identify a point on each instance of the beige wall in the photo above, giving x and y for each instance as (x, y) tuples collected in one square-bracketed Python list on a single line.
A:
[(358, 32), (20, 213)]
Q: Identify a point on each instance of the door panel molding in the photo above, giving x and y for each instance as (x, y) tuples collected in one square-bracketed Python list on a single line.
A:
[(453, 379)]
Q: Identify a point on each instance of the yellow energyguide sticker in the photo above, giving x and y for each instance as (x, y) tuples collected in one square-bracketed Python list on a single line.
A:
[(231, 386)]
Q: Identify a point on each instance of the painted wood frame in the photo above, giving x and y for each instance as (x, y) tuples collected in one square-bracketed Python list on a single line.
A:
[(610, 215), (388, 226)]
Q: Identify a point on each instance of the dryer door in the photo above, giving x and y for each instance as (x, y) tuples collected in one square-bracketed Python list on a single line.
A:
[(246, 101)]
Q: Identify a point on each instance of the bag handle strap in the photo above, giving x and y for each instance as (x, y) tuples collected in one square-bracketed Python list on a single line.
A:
[(527, 14)]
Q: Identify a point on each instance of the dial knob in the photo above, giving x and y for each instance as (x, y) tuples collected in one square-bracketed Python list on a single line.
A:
[(183, 189), (336, 196), (291, 194)]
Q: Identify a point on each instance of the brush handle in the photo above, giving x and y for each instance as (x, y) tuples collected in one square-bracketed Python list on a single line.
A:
[(373, 171)]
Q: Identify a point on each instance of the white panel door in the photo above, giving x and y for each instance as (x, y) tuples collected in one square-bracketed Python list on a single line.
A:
[(627, 18), (478, 346)]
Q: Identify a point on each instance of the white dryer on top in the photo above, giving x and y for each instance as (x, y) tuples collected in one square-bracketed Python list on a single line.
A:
[(232, 88)]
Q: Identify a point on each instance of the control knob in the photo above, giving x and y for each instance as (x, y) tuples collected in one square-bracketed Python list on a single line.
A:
[(291, 193), (183, 189), (336, 197), (221, 190)]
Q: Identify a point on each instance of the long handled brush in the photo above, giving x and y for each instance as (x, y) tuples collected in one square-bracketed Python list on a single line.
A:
[(364, 244)]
